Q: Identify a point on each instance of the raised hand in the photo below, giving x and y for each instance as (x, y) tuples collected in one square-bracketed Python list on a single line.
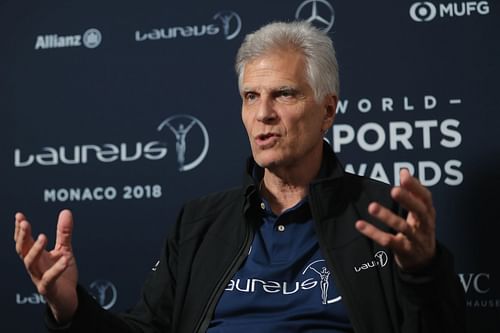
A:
[(54, 272), (414, 244)]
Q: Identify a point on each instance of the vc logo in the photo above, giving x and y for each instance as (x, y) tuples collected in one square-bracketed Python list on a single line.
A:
[(318, 12), (180, 126), (478, 282)]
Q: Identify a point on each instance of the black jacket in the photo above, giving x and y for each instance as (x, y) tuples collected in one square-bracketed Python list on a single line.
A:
[(211, 239)]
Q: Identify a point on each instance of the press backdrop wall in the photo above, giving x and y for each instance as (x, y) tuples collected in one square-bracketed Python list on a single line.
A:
[(123, 110)]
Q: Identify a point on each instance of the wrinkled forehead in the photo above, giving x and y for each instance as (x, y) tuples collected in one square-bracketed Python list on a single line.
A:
[(280, 67)]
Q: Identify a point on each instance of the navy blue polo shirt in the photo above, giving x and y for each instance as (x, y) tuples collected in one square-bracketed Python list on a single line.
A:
[(284, 284)]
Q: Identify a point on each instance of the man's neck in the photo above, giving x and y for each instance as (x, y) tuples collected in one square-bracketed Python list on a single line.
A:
[(283, 189)]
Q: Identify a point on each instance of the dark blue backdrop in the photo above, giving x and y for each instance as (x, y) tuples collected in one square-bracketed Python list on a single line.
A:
[(92, 94)]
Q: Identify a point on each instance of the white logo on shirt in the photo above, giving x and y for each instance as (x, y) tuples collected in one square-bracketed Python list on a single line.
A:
[(285, 288)]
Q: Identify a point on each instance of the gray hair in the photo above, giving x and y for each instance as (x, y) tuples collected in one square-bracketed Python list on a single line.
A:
[(315, 45)]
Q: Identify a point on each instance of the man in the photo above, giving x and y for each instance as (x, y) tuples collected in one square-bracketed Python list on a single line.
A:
[(301, 247)]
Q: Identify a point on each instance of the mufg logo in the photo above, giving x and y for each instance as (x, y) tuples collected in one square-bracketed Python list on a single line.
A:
[(426, 11), (104, 292), (191, 140), (320, 13)]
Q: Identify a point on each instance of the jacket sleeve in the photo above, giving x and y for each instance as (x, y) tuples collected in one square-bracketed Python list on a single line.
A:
[(152, 313), (432, 300)]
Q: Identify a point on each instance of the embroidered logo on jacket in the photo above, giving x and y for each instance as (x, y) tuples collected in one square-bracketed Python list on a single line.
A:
[(380, 259)]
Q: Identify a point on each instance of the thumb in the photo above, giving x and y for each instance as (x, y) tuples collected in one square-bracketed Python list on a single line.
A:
[(64, 229)]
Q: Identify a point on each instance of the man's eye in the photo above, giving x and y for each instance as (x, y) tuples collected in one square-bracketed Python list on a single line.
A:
[(286, 94), (249, 96)]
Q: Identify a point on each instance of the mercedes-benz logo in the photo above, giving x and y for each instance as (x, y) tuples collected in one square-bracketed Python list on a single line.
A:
[(318, 12), (104, 292), (180, 126)]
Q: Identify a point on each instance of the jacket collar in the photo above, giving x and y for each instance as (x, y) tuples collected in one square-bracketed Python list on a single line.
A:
[(330, 170)]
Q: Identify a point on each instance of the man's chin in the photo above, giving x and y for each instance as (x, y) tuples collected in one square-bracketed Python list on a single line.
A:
[(269, 163), (266, 163)]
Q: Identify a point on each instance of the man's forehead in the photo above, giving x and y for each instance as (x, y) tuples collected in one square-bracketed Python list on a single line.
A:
[(273, 74)]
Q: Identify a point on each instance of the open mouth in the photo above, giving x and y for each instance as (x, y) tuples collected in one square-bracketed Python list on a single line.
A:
[(266, 139), (265, 136)]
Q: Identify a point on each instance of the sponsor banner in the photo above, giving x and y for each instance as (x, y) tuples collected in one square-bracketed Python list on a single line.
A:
[(186, 137), (224, 23), (92, 100), (394, 133), (426, 11), (90, 39), (103, 291), (479, 292)]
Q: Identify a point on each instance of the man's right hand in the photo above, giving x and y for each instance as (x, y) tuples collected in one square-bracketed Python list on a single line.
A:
[(54, 272)]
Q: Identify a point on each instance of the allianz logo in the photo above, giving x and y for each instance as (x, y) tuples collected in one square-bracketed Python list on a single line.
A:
[(380, 260), (90, 39), (81, 154)]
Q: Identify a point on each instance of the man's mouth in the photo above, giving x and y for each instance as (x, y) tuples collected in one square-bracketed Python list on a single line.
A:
[(266, 140)]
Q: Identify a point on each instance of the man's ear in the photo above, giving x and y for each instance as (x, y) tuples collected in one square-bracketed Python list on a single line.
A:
[(330, 104)]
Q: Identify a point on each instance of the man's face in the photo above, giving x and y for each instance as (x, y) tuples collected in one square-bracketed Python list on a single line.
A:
[(284, 122)]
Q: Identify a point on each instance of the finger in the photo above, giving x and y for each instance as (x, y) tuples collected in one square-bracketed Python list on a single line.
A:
[(425, 214), (413, 185), (24, 240), (64, 229), (19, 217), (390, 219), (382, 238), (408, 200), (32, 257), (52, 274)]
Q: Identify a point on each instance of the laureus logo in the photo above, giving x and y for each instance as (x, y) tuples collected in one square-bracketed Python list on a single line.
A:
[(104, 292), (380, 260), (231, 23), (227, 24), (191, 140), (319, 269)]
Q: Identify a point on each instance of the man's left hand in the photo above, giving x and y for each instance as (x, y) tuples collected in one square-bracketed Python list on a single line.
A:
[(414, 243)]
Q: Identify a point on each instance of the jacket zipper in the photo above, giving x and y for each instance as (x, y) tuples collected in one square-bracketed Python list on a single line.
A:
[(324, 249), (202, 325)]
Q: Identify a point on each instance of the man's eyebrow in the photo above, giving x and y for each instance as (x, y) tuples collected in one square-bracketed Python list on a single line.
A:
[(282, 88), (272, 89)]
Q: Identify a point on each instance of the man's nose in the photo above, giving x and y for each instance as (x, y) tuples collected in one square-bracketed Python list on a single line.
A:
[(266, 111)]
